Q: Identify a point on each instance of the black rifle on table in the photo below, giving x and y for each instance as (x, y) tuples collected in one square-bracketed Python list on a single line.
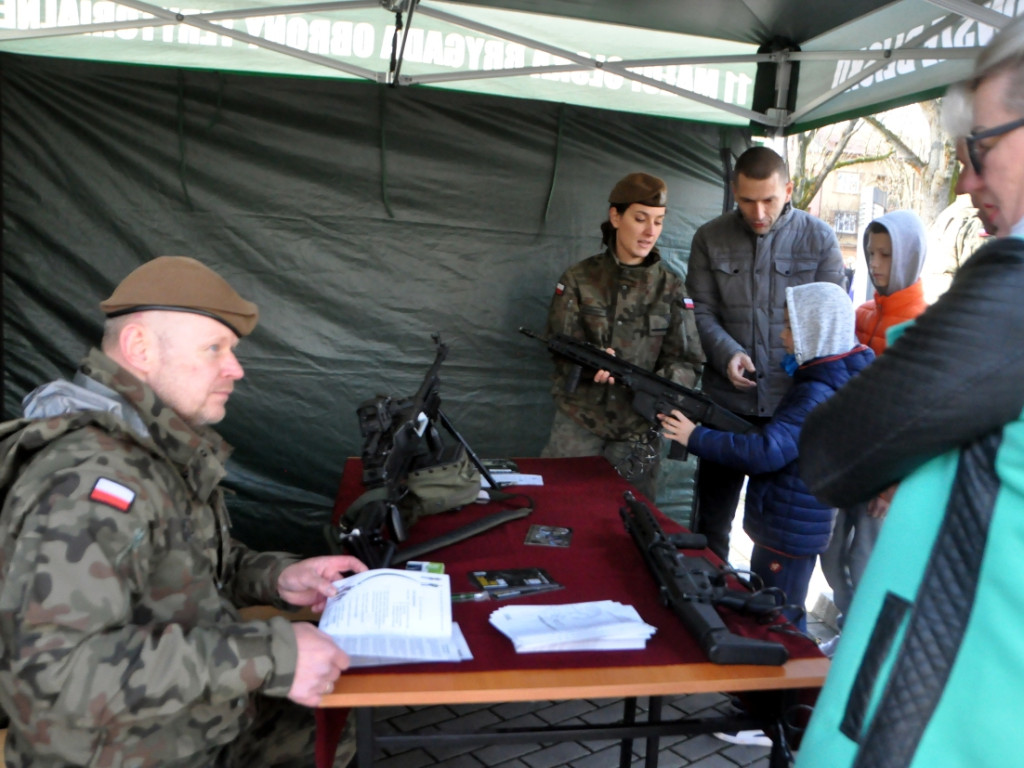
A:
[(398, 432), (693, 588), (400, 435), (652, 394)]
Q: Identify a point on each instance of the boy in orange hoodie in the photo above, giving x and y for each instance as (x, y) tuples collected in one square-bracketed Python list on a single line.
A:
[(895, 246)]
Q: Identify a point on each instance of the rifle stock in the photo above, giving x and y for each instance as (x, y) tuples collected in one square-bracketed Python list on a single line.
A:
[(692, 588), (652, 394)]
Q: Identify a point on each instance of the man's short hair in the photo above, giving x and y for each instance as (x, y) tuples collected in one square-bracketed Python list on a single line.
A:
[(956, 110), (1005, 53), (761, 163)]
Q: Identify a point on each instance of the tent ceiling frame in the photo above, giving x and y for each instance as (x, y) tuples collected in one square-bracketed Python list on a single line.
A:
[(582, 63), (972, 10), (889, 55), (914, 43), (180, 18), (209, 26), (778, 118)]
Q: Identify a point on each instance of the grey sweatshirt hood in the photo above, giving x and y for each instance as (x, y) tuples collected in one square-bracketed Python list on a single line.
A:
[(83, 394), (909, 245), (821, 316)]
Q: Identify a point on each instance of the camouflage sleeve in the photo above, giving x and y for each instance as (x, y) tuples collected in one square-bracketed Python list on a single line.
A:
[(97, 634), (681, 358), (251, 577)]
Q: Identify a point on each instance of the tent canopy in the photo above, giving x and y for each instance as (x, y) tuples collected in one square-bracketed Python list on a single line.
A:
[(769, 63), (363, 217)]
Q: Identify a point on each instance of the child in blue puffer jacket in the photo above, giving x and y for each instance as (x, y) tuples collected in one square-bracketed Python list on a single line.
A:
[(788, 526)]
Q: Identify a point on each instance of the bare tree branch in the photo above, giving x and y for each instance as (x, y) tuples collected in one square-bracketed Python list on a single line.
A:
[(806, 185), (905, 153), (862, 160), (895, 173)]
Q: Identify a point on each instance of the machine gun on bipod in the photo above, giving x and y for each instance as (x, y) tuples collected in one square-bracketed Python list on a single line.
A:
[(409, 470)]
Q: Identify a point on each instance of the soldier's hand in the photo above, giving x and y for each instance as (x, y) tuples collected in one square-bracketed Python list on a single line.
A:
[(602, 376), (310, 582), (739, 364), (320, 662)]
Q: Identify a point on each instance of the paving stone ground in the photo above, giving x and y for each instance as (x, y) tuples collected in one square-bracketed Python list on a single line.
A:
[(702, 751)]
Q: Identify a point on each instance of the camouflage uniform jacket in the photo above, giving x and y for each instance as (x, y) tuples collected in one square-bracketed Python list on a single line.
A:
[(120, 641), (641, 312)]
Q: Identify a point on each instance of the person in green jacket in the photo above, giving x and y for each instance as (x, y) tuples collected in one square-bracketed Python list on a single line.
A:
[(931, 665), (121, 642)]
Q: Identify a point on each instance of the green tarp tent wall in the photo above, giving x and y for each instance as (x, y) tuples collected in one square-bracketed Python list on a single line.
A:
[(361, 219), (369, 208)]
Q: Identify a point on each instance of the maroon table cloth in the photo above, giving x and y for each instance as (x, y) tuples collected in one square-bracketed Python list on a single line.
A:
[(601, 563)]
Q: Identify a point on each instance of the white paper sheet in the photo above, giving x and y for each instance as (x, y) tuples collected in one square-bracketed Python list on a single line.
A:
[(510, 479), (389, 601), (391, 616), (376, 651), (592, 626)]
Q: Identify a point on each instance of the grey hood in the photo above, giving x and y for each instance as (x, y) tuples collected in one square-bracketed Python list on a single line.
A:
[(821, 316), (85, 394), (909, 245)]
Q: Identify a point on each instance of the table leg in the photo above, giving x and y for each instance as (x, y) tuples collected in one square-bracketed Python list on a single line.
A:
[(366, 745), (628, 718), (653, 742)]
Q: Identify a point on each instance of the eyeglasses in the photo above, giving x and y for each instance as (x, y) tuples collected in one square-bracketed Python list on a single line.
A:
[(976, 153)]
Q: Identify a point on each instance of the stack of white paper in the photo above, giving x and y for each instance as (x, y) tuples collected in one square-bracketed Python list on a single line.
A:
[(603, 625), (391, 616)]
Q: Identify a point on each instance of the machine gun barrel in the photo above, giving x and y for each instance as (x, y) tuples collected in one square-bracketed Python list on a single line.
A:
[(692, 591)]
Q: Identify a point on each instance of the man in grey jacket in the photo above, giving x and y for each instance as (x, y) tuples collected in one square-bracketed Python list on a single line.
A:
[(740, 266)]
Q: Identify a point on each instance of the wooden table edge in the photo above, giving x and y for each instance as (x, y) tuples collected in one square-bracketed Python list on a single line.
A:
[(427, 688)]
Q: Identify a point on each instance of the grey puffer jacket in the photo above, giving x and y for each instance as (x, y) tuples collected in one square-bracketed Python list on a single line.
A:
[(737, 280)]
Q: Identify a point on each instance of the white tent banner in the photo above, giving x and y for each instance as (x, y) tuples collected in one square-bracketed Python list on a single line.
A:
[(456, 47), (890, 53)]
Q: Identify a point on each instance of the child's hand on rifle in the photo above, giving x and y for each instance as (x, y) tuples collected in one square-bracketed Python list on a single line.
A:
[(676, 426)]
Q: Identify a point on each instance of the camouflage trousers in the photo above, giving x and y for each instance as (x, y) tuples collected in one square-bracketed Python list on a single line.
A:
[(283, 735), (637, 461)]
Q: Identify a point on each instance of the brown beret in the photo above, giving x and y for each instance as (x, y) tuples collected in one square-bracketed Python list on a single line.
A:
[(640, 188), (182, 284)]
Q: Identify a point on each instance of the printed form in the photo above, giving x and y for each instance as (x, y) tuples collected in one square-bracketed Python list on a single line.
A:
[(391, 616)]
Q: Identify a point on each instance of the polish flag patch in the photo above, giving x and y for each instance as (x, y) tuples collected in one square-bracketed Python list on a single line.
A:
[(687, 302), (559, 289), (112, 494)]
